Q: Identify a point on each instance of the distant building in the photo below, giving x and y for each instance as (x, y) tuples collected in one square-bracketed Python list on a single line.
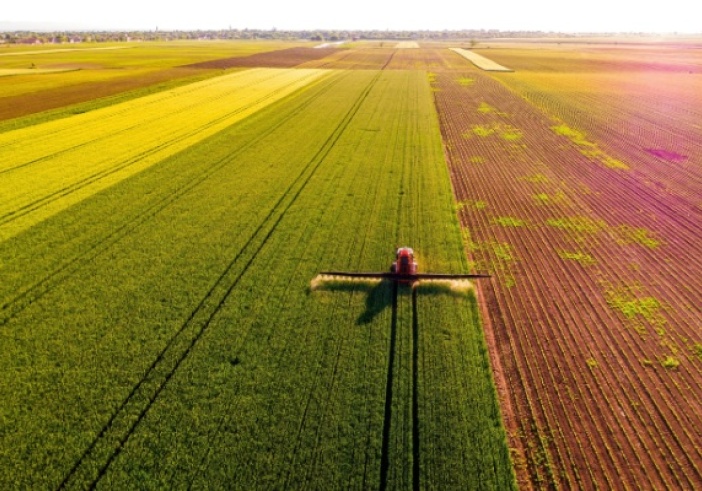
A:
[(30, 40)]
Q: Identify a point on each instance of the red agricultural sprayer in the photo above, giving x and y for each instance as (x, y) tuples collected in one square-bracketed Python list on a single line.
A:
[(403, 270)]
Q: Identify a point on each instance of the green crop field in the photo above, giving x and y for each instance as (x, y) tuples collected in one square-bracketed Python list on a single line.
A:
[(157, 321)]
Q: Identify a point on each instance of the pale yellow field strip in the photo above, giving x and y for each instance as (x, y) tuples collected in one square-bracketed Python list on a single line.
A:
[(480, 61), (6, 72), (47, 168), (407, 45), (61, 50)]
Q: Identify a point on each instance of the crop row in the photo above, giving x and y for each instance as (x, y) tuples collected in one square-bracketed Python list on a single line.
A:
[(586, 411)]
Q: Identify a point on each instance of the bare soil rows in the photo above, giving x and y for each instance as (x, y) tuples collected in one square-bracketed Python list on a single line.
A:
[(591, 295), (284, 58), (16, 106), (355, 59)]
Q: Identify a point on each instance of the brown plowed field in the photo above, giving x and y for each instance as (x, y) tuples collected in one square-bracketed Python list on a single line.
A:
[(586, 206), (30, 103), (386, 58), (355, 59), (284, 58)]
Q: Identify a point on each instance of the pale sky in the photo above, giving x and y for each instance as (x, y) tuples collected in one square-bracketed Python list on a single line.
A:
[(546, 15)]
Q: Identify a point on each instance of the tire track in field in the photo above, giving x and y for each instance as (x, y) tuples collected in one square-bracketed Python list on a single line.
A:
[(26, 296), (93, 464), (415, 391), (90, 179), (387, 421)]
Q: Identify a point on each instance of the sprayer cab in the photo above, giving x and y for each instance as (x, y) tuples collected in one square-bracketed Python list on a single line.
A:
[(404, 263)]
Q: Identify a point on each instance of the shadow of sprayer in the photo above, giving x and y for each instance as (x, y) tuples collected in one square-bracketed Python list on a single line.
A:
[(383, 287), (381, 292)]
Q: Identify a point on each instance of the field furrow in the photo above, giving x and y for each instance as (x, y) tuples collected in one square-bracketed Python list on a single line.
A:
[(594, 296)]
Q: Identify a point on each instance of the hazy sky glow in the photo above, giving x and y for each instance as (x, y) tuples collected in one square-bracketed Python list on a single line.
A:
[(546, 15)]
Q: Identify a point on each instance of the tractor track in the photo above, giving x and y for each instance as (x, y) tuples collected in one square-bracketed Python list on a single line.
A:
[(385, 463), (415, 392), (93, 464), (387, 422), (26, 296)]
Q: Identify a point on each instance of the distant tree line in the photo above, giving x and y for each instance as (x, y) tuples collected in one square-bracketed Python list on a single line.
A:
[(28, 37)]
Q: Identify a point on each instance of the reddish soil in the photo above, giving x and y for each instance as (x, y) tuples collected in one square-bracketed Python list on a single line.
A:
[(386, 58), (356, 59), (284, 58), (596, 287)]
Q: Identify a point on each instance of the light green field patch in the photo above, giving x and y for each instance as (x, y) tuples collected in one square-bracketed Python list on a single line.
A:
[(70, 159), (485, 108), (612, 163), (575, 136), (503, 251), (697, 350), (492, 256), (476, 159), (536, 178), (545, 199), (670, 362), (637, 235), (577, 224), (511, 134), (636, 306), (465, 81), (541, 198), (509, 222), (581, 257), (482, 130), (60, 50), (645, 307), (6, 72), (471, 205), (505, 131), (587, 148)]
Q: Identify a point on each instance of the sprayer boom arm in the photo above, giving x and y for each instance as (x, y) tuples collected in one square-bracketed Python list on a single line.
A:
[(407, 277)]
